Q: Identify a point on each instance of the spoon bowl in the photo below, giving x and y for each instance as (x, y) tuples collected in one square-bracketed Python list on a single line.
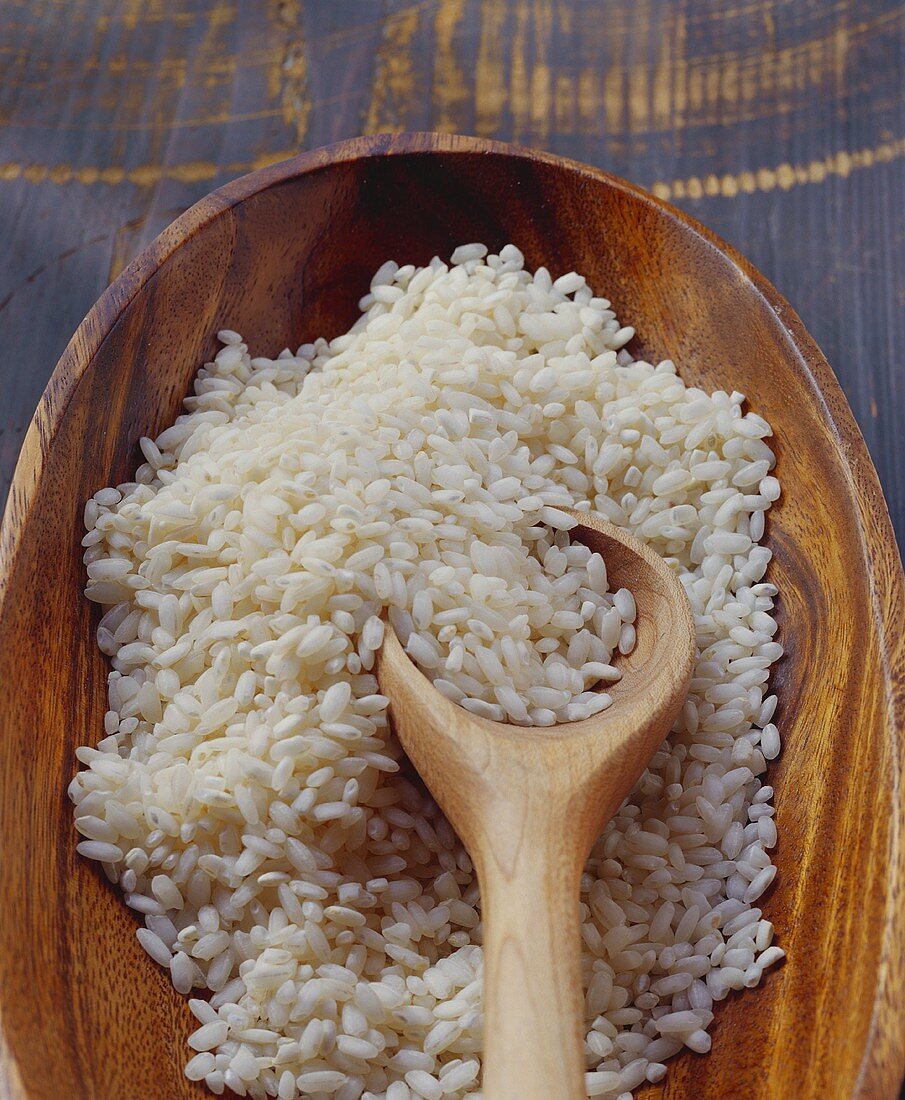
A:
[(528, 804)]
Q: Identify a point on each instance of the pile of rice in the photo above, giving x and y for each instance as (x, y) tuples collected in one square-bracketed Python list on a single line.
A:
[(247, 797)]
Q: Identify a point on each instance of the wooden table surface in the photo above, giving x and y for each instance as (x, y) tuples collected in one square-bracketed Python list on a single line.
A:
[(779, 123)]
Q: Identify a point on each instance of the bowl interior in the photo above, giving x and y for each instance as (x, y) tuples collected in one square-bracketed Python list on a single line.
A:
[(84, 1011)]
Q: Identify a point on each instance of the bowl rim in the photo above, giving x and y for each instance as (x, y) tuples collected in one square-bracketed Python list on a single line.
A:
[(883, 1058)]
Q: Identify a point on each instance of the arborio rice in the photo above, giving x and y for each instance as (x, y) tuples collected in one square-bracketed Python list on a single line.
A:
[(246, 796)]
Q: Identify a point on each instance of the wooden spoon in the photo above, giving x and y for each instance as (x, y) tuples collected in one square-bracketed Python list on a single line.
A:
[(529, 803)]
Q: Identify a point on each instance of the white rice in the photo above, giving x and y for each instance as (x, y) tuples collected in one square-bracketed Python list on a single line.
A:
[(246, 795)]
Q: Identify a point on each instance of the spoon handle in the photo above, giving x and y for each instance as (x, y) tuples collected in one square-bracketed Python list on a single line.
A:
[(534, 1009)]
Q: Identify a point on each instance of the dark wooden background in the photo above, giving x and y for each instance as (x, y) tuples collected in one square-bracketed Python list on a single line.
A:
[(778, 123)]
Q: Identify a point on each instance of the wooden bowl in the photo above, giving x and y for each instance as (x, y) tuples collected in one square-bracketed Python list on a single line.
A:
[(282, 255)]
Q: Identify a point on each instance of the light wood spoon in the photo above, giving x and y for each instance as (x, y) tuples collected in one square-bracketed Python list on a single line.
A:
[(529, 802)]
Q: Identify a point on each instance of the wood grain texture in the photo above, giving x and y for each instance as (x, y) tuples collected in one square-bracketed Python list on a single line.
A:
[(83, 1011), (779, 123), (529, 804)]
